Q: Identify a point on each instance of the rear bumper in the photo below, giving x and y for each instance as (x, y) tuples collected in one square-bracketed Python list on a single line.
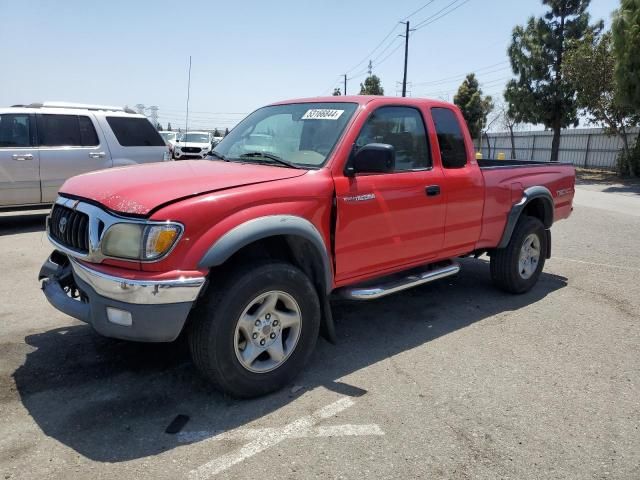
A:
[(148, 311)]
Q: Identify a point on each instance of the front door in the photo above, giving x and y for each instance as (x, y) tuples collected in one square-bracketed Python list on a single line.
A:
[(386, 221), (19, 160)]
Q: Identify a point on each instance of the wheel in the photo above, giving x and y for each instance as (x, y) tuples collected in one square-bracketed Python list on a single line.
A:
[(516, 267), (253, 333)]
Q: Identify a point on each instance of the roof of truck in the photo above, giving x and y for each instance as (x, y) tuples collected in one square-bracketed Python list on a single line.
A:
[(365, 99)]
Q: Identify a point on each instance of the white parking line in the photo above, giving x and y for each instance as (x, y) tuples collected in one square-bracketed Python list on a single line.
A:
[(262, 438)]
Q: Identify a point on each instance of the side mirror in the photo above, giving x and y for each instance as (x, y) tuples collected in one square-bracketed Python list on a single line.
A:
[(372, 158)]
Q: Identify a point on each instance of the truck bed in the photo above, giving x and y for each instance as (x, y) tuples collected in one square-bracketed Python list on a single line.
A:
[(505, 182), (494, 163)]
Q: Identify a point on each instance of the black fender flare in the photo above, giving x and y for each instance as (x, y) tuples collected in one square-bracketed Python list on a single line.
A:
[(269, 226), (529, 194), (264, 227)]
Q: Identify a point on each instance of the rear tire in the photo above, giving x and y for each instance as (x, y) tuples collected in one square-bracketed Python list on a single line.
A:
[(253, 332), (517, 267)]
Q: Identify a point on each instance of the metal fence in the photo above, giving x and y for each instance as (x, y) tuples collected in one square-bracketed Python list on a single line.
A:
[(584, 147)]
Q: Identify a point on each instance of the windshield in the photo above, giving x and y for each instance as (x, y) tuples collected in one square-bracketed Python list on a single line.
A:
[(168, 136), (196, 137), (302, 134)]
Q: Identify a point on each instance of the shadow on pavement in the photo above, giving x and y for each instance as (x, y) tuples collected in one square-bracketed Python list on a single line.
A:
[(111, 401), (22, 222), (623, 189)]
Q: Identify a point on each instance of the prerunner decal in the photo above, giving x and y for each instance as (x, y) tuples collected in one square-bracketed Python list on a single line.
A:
[(322, 114)]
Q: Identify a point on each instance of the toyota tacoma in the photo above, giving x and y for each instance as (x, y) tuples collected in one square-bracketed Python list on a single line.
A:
[(357, 197)]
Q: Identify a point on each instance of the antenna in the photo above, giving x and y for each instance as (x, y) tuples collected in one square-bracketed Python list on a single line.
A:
[(186, 123)]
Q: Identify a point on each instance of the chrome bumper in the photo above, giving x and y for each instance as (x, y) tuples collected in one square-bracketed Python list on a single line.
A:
[(142, 292)]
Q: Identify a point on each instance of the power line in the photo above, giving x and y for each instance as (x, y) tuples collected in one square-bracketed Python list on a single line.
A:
[(372, 51), (453, 78), (418, 10), (370, 54), (431, 19)]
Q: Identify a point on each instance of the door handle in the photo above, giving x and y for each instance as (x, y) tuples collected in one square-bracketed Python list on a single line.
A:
[(96, 154), (432, 190), (22, 156)]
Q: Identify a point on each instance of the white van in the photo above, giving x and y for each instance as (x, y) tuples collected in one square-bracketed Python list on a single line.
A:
[(43, 144)]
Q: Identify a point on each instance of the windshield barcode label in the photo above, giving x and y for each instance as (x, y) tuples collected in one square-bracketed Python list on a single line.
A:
[(322, 114)]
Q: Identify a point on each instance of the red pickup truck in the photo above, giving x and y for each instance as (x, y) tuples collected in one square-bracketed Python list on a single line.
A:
[(352, 196)]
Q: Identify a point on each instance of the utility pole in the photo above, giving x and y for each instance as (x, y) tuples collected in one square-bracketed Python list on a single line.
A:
[(345, 83), (406, 57)]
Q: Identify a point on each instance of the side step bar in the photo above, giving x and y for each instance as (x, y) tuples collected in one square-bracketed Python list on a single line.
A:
[(398, 282)]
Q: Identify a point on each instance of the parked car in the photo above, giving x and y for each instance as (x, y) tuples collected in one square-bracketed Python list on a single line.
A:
[(192, 145), (43, 144), (360, 197), (169, 138)]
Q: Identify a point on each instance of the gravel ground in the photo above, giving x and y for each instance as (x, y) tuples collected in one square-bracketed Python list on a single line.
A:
[(449, 380)]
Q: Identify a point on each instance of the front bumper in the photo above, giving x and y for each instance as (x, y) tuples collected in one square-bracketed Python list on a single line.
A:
[(179, 155), (156, 310)]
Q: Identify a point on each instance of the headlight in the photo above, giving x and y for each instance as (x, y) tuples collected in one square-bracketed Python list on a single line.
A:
[(140, 242)]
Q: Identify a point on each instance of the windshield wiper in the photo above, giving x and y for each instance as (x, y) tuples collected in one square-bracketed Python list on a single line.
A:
[(270, 156), (219, 155)]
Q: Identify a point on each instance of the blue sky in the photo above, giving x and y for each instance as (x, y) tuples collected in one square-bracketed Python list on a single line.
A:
[(247, 53)]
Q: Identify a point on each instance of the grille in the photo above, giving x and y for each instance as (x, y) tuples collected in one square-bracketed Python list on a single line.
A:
[(191, 149), (70, 228)]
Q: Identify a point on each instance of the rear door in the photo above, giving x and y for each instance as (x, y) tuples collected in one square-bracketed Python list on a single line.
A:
[(19, 160), (386, 221), (69, 145)]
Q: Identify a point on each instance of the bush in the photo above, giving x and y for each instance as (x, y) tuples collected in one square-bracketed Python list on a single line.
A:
[(629, 164)]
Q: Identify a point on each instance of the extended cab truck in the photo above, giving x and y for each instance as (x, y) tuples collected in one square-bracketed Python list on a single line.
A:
[(355, 196)]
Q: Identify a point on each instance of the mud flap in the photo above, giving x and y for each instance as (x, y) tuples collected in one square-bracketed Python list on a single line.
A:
[(327, 325)]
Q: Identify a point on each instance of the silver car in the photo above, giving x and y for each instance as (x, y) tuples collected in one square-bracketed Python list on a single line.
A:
[(41, 145)]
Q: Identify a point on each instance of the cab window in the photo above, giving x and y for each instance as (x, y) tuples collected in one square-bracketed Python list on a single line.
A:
[(403, 128)]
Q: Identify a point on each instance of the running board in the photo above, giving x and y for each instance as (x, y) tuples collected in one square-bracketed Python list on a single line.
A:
[(401, 281)]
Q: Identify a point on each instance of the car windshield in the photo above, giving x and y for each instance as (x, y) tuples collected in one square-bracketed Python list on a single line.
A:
[(302, 134), (168, 136), (196, 137)]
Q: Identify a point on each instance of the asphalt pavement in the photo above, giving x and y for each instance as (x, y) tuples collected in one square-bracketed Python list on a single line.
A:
[(449, 380)]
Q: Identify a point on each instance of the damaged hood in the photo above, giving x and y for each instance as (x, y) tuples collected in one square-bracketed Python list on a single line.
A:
[(139, 189)]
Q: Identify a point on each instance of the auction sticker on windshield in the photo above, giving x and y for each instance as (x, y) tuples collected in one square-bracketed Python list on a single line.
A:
[(322, 114)]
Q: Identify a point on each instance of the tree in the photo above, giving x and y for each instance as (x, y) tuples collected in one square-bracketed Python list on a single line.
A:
[(336, 92), (371, 86), (216, 133), (591, 67), (169, 126), (474, 106), (159, 126), (226, 132), (541, 94), (626, 47)]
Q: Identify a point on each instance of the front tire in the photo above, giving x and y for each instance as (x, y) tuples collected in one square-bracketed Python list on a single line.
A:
[(253, 333), (517, 267)]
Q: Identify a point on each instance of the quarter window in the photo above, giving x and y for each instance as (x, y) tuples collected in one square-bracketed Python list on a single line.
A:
[(403, 128), (15, 130), (135, 132), (450, 138)]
